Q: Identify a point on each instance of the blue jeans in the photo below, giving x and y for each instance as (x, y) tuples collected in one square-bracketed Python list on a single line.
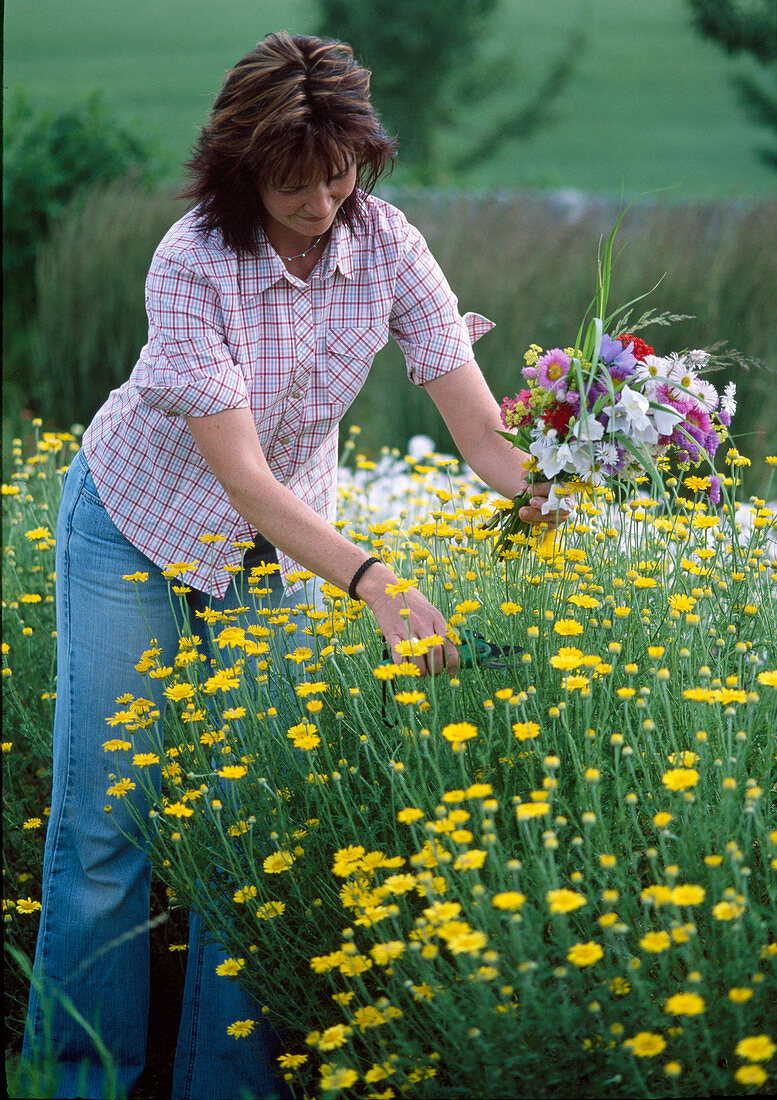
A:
[(93, 943)]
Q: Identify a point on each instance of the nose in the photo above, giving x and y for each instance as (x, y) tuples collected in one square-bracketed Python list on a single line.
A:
[(320, 202)]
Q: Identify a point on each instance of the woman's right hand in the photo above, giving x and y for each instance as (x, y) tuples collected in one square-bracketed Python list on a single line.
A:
[(403, 613), (230, 446)]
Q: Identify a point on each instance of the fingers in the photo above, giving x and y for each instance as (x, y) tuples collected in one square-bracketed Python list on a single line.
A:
[(425, 621), (441, 658), (532, 512), (433, 661), (549, 519), (408, 617), (451, 655)]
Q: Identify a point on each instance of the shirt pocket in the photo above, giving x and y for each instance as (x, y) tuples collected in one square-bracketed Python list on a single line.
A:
[(349, 356)]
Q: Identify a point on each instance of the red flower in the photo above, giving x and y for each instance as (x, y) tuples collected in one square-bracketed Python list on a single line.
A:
[(640, 349), (558, 417)]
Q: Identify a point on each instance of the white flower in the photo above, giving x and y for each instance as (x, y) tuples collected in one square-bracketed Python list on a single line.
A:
[(582, 459), (728, 402), (647, 435), (652, 389), (681, 375), (606, 454), (665, 419), (585, 464), (552, 458), (557, 499), (705, 394), (540, 430), (588, 429), (420, 446), (553, 502), (698, 359), (677, 365), (630, 417), (632, 405), (653, 366)]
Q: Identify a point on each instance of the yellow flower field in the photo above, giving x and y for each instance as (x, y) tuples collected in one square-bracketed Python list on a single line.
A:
[(558, 866)]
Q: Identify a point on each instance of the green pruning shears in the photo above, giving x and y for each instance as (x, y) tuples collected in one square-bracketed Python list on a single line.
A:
[(477, 652)]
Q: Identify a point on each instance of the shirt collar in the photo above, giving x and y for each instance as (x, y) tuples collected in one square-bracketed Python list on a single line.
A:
[(265, 269), (340, 253)]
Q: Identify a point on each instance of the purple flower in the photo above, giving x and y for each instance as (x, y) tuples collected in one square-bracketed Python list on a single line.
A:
[(597, 390), (698, 433), (711, 443), (724, 417), (714, 489), (620, 373), (613, 354)]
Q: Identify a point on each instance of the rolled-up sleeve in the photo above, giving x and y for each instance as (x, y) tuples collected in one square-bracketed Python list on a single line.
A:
[(186, 369), (425, 320)]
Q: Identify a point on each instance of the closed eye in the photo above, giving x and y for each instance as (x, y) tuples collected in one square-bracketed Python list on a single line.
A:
[(304, 186)]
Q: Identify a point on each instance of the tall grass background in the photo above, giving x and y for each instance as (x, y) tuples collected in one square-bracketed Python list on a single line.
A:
[(526, 260)]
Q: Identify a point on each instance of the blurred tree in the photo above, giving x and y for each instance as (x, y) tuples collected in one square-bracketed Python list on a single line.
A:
[(746, 26), (49, 159), (428, 63)]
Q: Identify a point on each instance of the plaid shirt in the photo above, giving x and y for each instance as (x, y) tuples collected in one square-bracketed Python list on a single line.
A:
[(229, 331)]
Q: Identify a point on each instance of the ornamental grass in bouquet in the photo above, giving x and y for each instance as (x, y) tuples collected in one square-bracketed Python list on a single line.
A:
[(610, 411)]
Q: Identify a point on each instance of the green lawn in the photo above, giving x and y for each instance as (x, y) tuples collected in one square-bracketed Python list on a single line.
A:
[(650, 105)]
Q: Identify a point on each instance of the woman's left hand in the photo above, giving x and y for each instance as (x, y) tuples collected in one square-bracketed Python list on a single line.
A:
[(532, 512)]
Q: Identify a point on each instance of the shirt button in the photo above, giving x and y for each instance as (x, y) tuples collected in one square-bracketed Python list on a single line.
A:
[(296, 394), (284, 439)]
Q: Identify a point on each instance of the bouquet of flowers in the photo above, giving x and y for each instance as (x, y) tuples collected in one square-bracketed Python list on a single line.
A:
[(609, 410)]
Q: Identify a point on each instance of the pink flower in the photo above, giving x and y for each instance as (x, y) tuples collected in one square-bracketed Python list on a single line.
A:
[(552, 371), (516, 410)]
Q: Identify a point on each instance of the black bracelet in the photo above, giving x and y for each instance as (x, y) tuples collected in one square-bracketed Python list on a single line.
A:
[(359, 574)]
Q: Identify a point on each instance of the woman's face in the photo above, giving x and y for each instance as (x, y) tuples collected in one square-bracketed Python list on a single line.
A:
[(309, 209)]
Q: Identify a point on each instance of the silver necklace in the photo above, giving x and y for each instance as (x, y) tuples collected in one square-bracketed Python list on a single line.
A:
[(302, 255)]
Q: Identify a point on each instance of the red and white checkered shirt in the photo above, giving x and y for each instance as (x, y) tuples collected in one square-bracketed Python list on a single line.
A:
[(229, 331)]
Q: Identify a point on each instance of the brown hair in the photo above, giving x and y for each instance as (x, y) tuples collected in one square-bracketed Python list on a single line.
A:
[(294, 109)]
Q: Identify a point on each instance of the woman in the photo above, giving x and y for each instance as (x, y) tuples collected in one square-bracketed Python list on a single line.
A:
[(267, 304)]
